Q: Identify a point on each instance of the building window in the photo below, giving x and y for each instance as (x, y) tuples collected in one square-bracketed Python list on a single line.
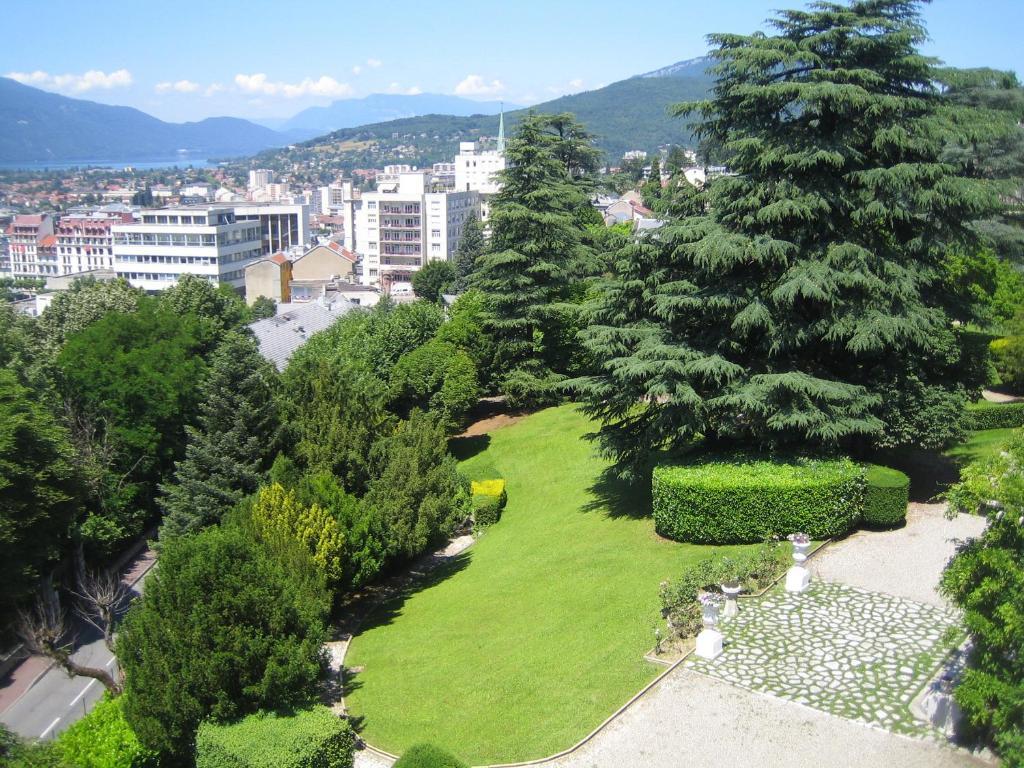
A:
[(435, 233)]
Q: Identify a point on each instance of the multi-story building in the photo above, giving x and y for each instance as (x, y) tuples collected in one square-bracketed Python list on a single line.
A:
[(85, 241), (283, 226), (5, 254), (201, 240), (477, 169), (443, 179), (403, 225), (32, 246), (260, 178)]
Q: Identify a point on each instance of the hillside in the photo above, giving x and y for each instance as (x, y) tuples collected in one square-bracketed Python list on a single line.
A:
[(629, 114), (38, 126), (380, 107)]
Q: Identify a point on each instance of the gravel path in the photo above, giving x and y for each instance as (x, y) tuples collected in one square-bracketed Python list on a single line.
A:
[(906, 562), (693, 720)]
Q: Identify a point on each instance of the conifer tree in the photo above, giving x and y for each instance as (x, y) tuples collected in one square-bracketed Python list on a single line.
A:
[(802, 303), (535, 251), (231, 445), (471, 245)]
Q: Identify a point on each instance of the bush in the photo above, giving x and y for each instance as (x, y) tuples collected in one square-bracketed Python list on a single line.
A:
[(489, 499), (309, 738), (754, 570), (985, 415), (1008, 360), (746, 500), (103, 739), (886, 494), (428, 756)]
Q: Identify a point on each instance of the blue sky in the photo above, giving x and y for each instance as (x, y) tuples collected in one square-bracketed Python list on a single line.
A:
[(261, 58)]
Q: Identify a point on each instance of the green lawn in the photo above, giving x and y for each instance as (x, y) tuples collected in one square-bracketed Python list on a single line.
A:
[(979, 445), (537, 633)]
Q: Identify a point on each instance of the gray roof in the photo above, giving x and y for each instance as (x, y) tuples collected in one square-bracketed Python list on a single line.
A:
[(281, 335)]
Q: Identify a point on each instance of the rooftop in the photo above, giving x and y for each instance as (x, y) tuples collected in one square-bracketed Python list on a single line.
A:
[(279, 336)]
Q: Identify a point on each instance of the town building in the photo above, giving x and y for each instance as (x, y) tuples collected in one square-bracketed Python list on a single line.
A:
[(280, 336), (259, 178), (85, 241), (32, 246), (477, 169), (403, 225), (166, 243), (283, 226), (304, 278)]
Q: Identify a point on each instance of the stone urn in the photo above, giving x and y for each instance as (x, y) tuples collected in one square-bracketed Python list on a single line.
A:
[(798, 578), (709, 614), (731, 590)]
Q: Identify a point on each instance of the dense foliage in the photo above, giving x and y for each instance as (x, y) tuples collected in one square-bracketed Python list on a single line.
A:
[(986, 581), (85, 302), (436, 277), (801, 302), (886, 493), (985, 415), (428, 756), (225, 628), (489, 499), (103, 739), (743, 500), (306, 738), (38, 490)]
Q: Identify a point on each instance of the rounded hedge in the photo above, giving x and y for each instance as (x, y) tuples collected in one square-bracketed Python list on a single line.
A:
[(747, 500), (886, 494), (428, 756)]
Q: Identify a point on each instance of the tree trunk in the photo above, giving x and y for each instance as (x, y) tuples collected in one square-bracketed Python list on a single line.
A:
[(77, 670)]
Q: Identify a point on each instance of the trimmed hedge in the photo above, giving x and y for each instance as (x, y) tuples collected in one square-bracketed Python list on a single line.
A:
[(428, 756), (309, 738), (994, 416), (886, 494), (747, 500), (489, 498)]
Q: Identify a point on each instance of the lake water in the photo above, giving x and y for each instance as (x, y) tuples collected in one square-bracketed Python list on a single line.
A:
[(178, 161)]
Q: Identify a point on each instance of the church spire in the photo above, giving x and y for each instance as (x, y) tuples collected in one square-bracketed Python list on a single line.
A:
[(501, 129)]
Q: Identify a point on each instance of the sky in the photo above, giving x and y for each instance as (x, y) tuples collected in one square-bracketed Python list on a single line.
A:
[(264, 59)]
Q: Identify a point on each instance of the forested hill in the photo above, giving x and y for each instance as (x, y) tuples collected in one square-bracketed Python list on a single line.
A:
[(629, 114)]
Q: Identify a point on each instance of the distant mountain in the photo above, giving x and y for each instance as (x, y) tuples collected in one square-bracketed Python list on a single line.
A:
[(380, 107), (697, 68), (38, 126), (629, 114)]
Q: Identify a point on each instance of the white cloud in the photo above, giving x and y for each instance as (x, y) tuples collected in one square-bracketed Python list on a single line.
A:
[(213, 88), (373, 63), (71, 83), (576, 84), (323, 86), (570, 87), (356, 69), (474, 85), (411, 91), (181, 86)]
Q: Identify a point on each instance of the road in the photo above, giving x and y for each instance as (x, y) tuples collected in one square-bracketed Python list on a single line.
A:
[(55, 700)]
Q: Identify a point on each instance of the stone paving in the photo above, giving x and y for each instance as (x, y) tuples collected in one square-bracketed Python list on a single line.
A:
[(853, 653)]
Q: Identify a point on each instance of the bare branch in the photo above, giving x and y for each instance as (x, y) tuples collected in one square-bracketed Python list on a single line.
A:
[(102, 597)]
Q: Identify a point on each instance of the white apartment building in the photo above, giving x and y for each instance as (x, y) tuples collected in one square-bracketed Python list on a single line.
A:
[(201, 240), (260, 178), (403, 225), (282, 225), (85, 241), (32, 246), (477, 169)]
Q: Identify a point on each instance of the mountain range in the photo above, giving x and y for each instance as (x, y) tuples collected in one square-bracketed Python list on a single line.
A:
[(37, 126)]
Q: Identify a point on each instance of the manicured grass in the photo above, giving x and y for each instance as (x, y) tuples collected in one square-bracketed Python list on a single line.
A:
[(981, 444), (537, 633)]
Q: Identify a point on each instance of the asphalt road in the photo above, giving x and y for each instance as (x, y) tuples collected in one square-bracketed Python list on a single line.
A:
[(56, 701)]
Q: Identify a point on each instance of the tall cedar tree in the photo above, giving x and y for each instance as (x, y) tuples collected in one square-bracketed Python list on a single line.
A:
[(802, 307), (232, 443), (536, 248), (471, 245)]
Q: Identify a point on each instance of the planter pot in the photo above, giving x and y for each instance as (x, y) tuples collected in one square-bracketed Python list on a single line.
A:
[(709, 614)]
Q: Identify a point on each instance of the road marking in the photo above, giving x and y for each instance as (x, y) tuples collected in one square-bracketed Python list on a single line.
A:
[(80, 695), (112, 660), (49, 728)]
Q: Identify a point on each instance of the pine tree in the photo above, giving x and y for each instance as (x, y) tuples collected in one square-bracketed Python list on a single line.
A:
[(535, 251), (231, 445), (806, 289), (471, 245)]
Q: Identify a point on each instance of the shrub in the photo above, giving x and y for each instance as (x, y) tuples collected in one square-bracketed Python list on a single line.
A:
[(103, 739), (428, 756), (886, 494), (755, 570), (985, 415), (489, 498), (1008, 359), (745, 500), (309, 738)]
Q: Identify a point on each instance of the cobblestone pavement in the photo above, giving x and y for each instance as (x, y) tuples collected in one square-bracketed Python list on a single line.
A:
[(853, 653)]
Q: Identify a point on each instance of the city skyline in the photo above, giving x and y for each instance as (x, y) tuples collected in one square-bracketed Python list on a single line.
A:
[(226, 59)]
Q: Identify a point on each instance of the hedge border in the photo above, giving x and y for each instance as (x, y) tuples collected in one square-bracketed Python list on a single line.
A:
[(886, 495), (994, 416)]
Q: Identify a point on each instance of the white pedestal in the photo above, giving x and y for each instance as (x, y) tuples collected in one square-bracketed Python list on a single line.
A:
[(798, 579), (709, 644)]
